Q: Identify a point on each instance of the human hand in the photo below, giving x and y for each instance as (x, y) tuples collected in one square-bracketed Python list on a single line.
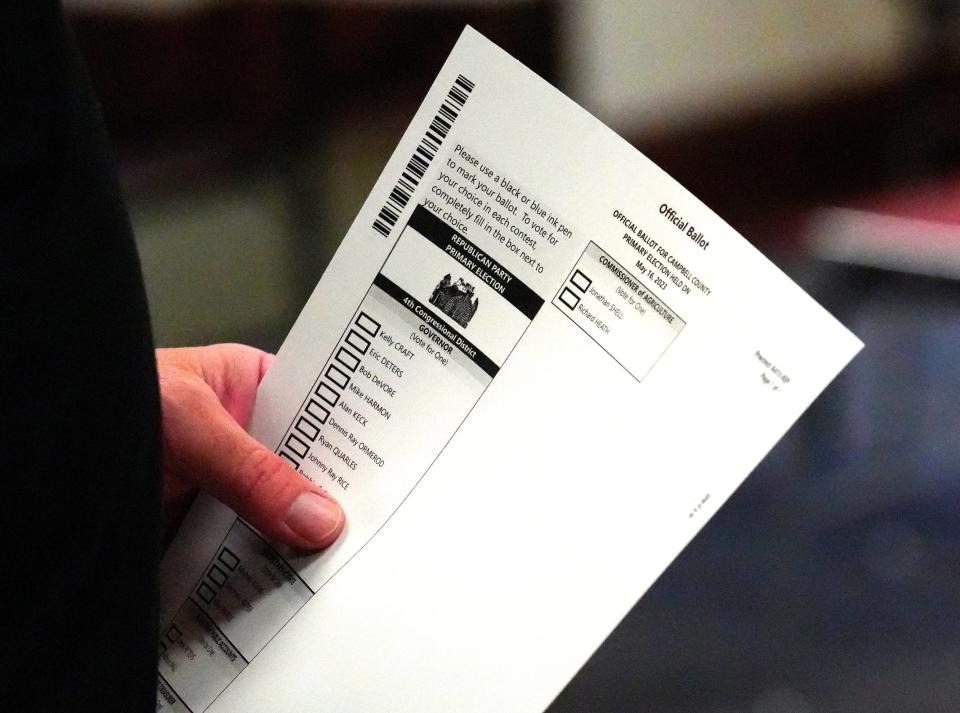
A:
[(207, 395)]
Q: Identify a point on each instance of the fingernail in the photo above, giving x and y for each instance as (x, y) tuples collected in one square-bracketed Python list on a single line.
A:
[(315, 518)]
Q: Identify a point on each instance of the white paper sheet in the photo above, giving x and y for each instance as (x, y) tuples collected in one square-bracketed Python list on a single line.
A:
[(533, 370)]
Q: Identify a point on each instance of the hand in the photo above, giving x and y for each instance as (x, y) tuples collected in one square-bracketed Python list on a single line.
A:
[(207, 394)]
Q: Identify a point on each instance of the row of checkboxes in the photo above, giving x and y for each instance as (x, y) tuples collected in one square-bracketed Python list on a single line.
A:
[(326, 395), (581, 283), (217, 574)]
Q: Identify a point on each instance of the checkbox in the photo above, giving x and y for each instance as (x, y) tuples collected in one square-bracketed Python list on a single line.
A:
[(358, 341), (173, 634), (227, 557), (206, 592), (316, 409), (348, 359), (308, 428), (290, 459), (338, 376), (297, 446), (581, 281), (570, 298), (368, 324), (327, 394), (217, 575)]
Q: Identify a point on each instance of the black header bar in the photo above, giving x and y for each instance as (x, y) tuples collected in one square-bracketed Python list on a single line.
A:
[(468, 254), (437, 324)]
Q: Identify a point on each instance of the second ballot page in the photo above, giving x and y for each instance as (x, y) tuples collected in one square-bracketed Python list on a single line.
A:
[(533, 370)]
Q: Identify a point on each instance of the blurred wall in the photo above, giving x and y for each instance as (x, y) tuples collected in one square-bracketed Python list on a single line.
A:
[(658, 62)]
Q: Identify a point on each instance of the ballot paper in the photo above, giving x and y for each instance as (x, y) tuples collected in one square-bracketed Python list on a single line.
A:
[(533, 370)]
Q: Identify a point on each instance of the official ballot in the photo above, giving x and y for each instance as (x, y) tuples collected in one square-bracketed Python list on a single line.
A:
[(533, 370)]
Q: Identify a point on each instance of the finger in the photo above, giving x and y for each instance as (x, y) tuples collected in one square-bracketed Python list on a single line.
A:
[(205, 445), (232, 371)]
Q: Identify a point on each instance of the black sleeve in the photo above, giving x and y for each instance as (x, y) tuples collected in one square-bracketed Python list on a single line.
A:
[(80, 409)]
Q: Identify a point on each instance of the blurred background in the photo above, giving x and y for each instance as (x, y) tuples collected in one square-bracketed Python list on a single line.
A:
[(828, 133)]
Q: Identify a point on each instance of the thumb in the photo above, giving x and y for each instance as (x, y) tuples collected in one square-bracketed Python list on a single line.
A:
[(206, 447)]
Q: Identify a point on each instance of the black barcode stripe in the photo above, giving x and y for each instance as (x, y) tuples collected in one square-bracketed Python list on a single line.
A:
[(424, 154)]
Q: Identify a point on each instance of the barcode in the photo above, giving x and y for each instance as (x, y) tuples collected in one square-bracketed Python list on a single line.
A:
[(426, 150)]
